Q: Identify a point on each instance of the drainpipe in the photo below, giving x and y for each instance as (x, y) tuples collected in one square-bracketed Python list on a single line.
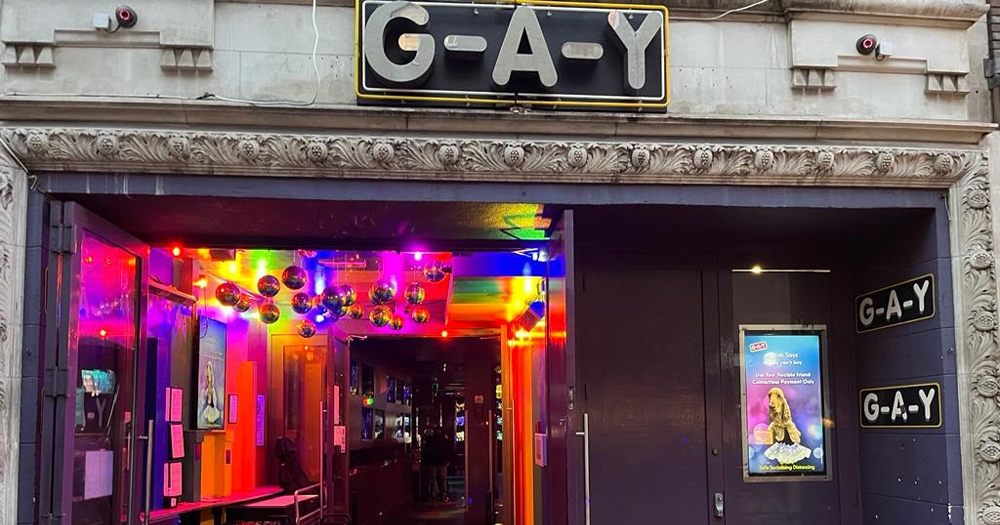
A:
[(992, 64)]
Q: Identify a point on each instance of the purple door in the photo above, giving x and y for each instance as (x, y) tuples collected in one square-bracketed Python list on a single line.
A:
[(640, 364), (785, 490)]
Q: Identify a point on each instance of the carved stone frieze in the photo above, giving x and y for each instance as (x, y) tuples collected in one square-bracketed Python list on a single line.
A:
[(431, 158)]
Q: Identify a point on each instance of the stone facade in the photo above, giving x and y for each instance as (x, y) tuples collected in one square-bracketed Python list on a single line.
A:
[(771, 96)]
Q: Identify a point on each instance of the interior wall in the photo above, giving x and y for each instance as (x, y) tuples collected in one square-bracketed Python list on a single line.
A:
[(911, 475)]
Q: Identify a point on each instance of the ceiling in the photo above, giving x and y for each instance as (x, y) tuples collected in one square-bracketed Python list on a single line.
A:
[(259, 221)]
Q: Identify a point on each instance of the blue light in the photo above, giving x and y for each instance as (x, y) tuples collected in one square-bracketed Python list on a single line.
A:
[(319, 281)]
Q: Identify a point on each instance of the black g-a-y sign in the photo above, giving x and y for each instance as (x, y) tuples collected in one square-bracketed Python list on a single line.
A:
[(905, 406), (901, 303), (553, 54)]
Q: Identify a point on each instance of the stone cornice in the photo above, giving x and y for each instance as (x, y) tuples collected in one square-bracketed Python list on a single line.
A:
[(143, 112), (965, 11), (960, 10), (407, 157)]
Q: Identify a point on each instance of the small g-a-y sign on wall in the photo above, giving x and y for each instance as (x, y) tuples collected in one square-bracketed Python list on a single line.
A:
[(901, 303), (905, 406), (553, 54)]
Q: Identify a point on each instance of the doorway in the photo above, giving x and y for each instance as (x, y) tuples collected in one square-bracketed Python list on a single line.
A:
[(245, 390), (426, 450)]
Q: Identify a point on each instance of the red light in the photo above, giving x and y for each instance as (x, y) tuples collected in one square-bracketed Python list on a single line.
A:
[(103, 333), (444, 333), (90, 259), (176, 251)]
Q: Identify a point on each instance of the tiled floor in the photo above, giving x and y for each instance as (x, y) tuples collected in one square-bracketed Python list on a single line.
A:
[(433, 514), (438, 513)]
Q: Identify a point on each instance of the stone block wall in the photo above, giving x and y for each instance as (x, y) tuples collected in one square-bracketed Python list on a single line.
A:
[(783, 60)]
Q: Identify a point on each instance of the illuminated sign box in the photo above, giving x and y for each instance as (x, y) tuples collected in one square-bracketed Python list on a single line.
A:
[(784, 403), (554, 54)]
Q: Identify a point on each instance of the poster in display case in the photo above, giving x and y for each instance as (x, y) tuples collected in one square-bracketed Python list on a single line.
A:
[(211, 376), (784, 403)]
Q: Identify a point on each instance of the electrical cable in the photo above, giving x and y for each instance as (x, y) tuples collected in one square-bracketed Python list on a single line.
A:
[(727, 13), (283, 102)]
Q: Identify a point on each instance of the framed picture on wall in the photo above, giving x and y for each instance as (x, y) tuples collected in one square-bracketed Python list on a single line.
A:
[(354, 378), (367, 420), (407, 394), (784, 403), (390, 389), (399, 426), (400, 394), (367, 381), (379, 424), (210, 406)]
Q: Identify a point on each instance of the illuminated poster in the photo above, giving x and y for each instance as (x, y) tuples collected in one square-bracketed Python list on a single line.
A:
[(783, 403), (211, 375)]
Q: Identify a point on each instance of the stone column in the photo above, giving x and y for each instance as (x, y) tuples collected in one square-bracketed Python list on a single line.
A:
[(13, 207), (973, 269)]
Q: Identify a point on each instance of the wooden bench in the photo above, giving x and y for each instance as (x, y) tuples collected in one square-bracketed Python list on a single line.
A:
[(297, 508), (214, 504)]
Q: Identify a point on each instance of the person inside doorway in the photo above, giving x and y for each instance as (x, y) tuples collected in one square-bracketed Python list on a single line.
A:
[(438, 455)]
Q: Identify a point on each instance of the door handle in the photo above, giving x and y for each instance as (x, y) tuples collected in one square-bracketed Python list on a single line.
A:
[(148, 438), (586, 466), (720, 505)]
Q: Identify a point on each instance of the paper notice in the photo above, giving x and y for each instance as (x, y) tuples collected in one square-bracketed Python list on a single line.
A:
[(172, 484), (176, 404), (339, 436), (336, 404), (176, 441), (98, 473)]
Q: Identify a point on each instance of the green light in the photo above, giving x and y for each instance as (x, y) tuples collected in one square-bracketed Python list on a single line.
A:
[(369, 401)]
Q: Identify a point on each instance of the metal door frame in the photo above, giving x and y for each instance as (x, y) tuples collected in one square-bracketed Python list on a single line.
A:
[(68, 222)]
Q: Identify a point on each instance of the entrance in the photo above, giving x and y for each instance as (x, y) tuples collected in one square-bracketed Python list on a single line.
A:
[(580, 374), (234, 384)]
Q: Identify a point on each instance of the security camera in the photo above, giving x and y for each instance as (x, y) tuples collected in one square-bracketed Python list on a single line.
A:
[(125, 16), (867, 44)]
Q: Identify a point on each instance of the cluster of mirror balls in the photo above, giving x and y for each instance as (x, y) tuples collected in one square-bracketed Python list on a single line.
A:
[(336, 301)]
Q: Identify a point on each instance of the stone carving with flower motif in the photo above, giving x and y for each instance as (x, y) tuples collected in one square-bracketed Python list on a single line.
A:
[(481, 159)]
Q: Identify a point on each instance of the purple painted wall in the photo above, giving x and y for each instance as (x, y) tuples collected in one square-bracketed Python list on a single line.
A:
[(910, 475)]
